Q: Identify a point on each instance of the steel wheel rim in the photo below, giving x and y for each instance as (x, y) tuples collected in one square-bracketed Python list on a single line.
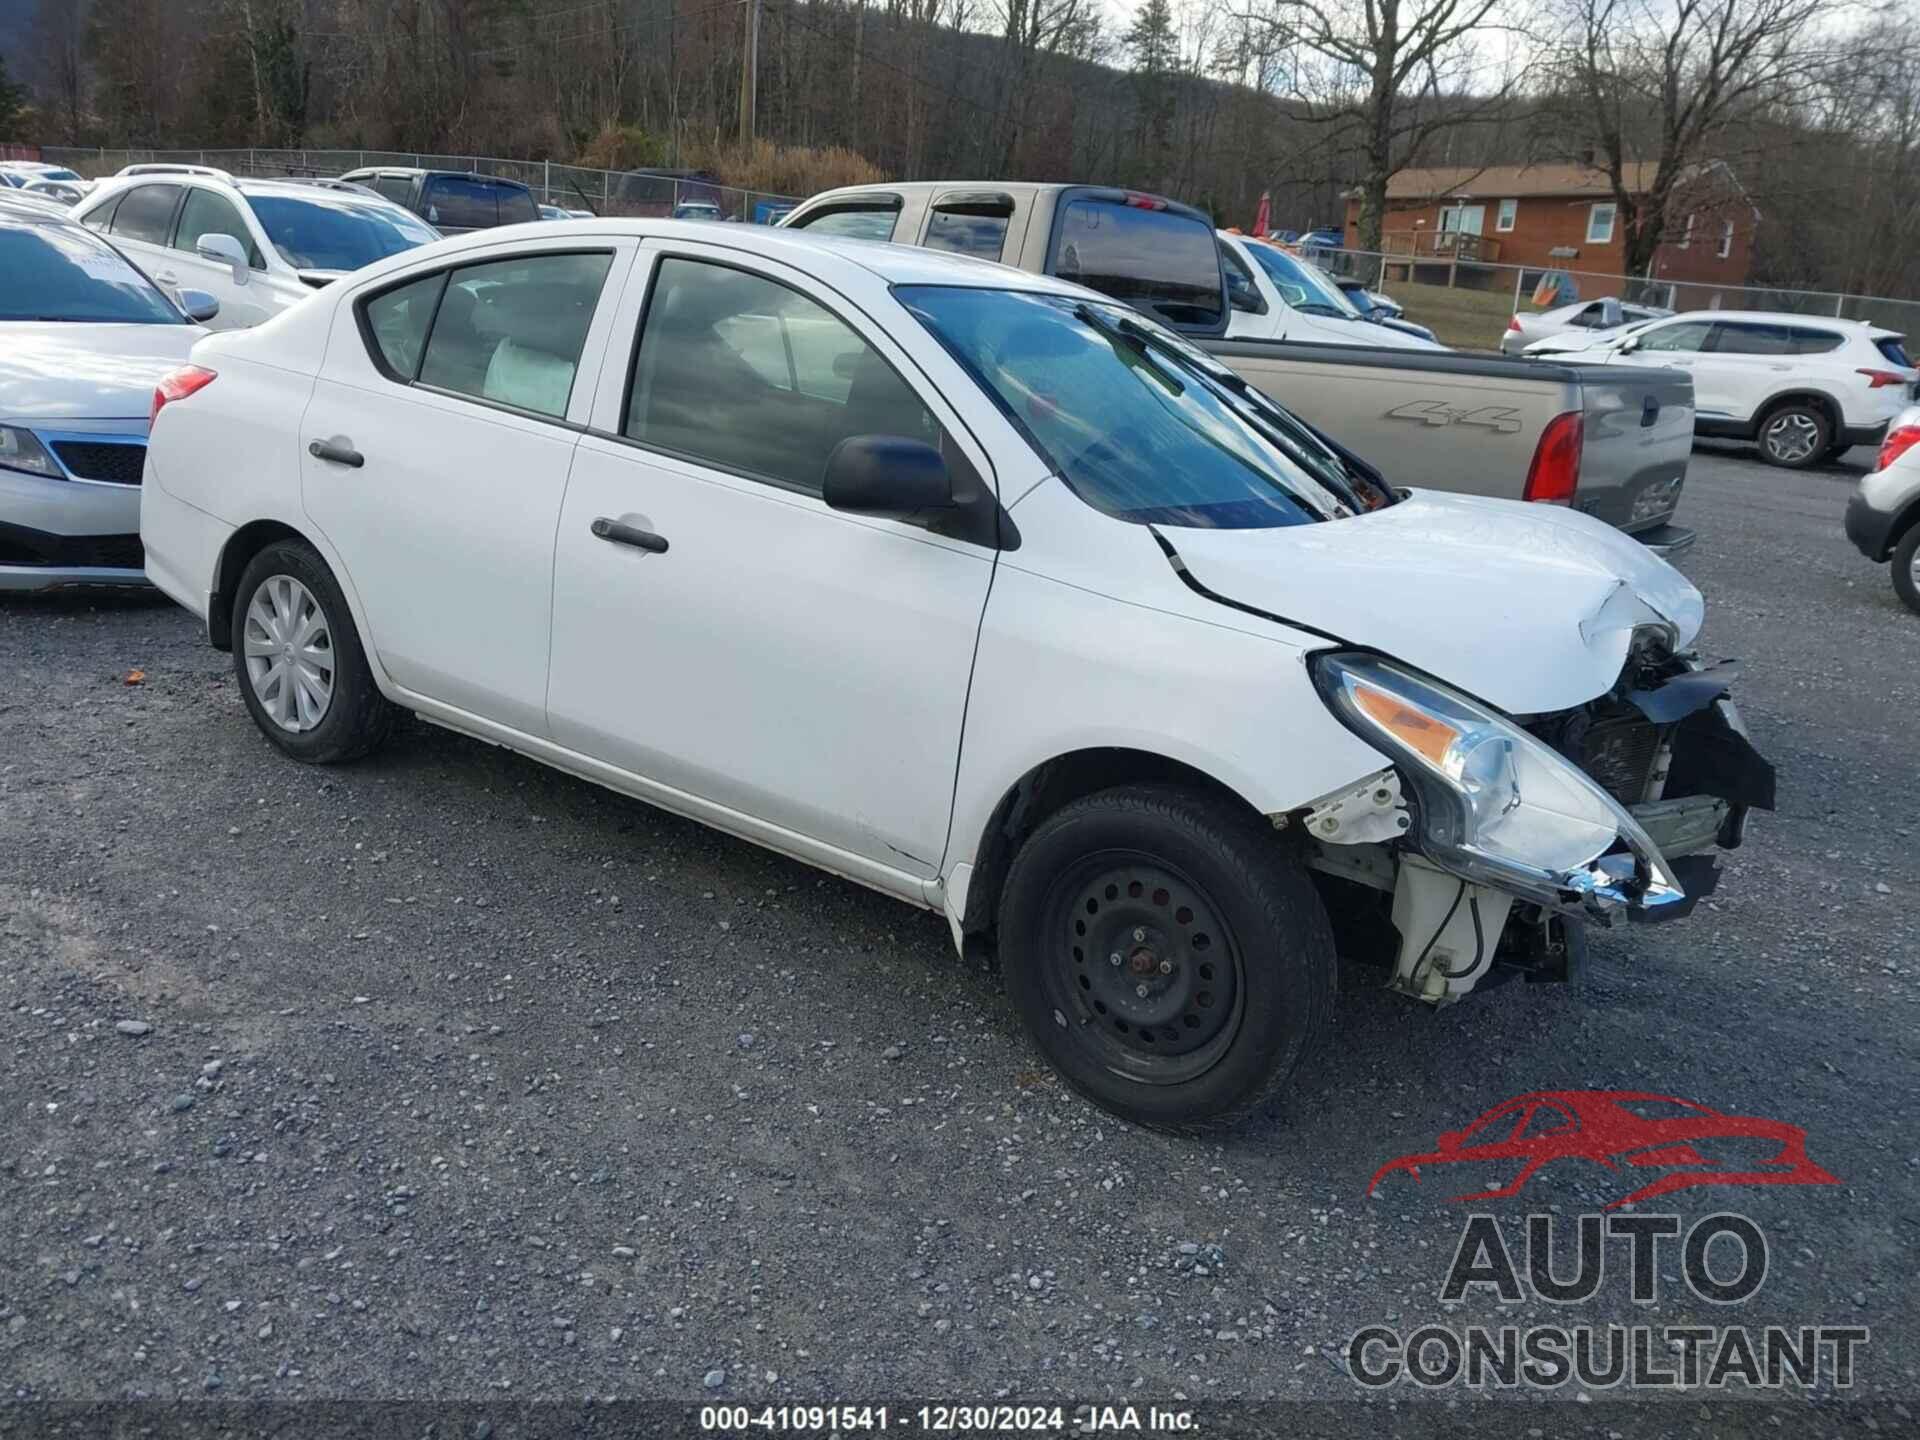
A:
[(1793, 436), (1172, 941), (288, 647)]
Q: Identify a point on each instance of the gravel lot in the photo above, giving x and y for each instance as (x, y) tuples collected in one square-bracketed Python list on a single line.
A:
[(457, 1078)]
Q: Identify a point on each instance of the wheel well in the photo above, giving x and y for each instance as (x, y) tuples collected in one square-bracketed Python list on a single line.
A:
[(245, 543), (1908, 517), (1046, 788), (1819, 401)]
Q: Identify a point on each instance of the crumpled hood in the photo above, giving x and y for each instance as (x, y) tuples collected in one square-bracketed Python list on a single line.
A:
[(1529, 607), (66, 371)]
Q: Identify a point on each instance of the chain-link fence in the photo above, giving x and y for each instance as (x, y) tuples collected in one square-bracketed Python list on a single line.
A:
[(571, 187), (1464, 289)]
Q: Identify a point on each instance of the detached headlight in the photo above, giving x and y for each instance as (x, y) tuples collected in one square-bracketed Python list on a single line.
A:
[(1496, 805), (20, 450)]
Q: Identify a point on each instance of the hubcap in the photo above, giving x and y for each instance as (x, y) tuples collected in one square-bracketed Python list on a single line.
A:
[(1913, 569), (289, 653), (1792, 436), (1142, 968)]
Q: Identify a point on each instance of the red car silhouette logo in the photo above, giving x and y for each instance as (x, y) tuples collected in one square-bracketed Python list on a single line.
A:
[(1623, 1130)]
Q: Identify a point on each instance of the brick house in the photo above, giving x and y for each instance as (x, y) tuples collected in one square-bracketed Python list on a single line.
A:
[(1560, 217)]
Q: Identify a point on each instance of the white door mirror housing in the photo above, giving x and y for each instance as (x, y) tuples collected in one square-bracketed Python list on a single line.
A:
[(225, 250), (199, 306)]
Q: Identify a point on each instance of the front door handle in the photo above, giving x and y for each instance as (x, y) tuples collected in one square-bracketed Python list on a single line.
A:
[(167, 277), (337, 454), (621, 534)]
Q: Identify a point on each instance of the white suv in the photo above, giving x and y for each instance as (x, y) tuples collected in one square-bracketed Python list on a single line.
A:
[(1803, 388), (256, 246)]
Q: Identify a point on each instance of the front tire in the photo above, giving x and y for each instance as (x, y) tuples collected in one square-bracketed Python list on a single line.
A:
[(1795, 436), (302, 671), (1166, 956), (1906, 568)]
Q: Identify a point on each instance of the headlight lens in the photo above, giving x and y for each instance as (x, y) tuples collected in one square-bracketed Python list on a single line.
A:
[(21, 450), (1488, 791)]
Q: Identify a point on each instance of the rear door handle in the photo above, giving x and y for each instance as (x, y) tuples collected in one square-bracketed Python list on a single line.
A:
[(619, 534), (337, 454)]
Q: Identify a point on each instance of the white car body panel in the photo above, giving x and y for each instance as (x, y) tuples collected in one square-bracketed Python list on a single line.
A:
[(850, 690)]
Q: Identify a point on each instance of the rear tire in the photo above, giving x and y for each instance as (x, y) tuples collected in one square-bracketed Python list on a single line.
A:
[(1225, 970), (302, 671), (1906, 568), (1795, 436)]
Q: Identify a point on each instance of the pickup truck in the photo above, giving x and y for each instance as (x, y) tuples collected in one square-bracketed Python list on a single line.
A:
[(1608, 444)]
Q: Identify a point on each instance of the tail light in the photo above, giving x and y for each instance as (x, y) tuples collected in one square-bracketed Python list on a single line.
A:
[(1878, 378), (177, 385), (1555, 472), (1900, 439), (1513, 324)]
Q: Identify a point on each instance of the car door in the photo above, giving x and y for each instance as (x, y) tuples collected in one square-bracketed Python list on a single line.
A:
[(435, 454), (142, 228), (1748, 361), (207, 212), (778, 668), (1680, 345)]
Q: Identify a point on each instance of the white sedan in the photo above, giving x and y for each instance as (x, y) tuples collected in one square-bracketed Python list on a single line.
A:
[(1584, 318), (967, 584)]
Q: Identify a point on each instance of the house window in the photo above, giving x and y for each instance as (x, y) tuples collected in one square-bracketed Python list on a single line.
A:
[(1600, 224), (1686, 235), (1509, 209), (1726, 239)]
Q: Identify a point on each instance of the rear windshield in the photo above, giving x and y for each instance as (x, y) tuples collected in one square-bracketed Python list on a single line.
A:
[(1137, 422), (335, 231), (1159, 261), (52, 273), (475, 202), (1894, 347)]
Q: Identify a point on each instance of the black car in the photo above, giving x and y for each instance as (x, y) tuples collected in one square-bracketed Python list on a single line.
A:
[(452, 201)]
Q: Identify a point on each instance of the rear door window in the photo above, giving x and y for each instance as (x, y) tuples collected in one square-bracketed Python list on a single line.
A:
[(976, 228), (511, 331), (1160, 261), (397, 188), (1749, 339), (146, 214), (856, 222)]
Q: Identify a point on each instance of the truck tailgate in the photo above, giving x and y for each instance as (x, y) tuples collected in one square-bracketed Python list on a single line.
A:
[(1638, 428)]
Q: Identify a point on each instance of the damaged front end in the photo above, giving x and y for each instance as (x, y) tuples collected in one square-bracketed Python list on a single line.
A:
[(1482, 850)]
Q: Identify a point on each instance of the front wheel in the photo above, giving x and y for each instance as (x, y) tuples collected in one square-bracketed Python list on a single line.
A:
[(301, 668), (1166, 956), (1795, 436), (1906, 568)]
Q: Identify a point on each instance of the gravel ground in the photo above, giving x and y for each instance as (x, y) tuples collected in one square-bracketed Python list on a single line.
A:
[(446, 1076)]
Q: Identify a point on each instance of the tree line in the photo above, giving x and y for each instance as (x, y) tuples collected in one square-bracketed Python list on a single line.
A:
[(1814, 107)]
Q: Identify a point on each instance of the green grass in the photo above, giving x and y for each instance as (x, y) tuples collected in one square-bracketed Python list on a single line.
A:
[(1462, 318)]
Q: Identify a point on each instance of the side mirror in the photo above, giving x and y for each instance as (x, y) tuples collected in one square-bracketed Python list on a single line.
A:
[(224, 250), (199, 305), (1630, 344), (887, 475)]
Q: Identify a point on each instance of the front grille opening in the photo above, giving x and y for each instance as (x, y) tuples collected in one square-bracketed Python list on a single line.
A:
[(117, 463), (1619, 753)]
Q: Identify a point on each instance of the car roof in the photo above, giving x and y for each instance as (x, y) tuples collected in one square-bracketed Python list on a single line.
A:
[(418, 170), (892, 264), (18, 212)]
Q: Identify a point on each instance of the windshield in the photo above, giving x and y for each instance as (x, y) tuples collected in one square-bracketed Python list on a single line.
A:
[(1140, 424), (337, 232), (1303, 285), (54, 273)]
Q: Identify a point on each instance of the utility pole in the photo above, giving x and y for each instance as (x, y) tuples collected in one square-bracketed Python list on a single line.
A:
[(749, 72)]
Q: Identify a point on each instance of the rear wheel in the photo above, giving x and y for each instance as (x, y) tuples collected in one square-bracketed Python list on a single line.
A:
[(1795, 435), (1166, 956), (301, 668), (1906, 568)]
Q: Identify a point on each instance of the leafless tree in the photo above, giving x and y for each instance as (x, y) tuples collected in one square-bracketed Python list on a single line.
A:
[(1656, 88)]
